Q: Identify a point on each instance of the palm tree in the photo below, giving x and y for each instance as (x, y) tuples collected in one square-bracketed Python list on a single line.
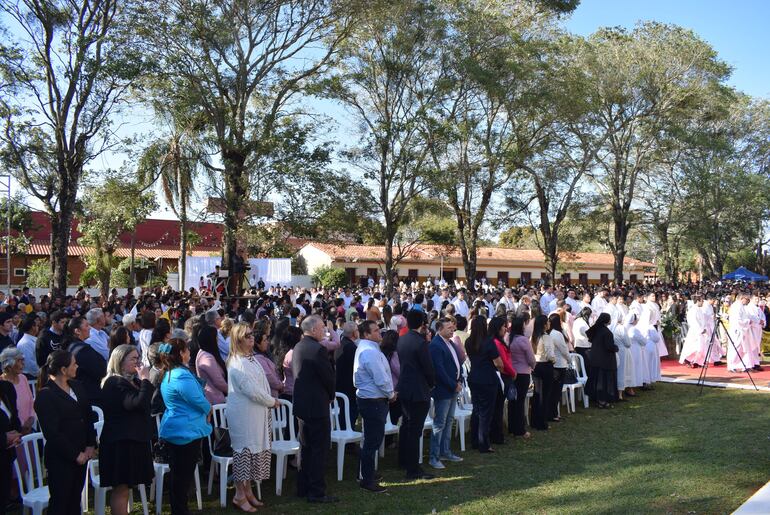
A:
[(175, 162)]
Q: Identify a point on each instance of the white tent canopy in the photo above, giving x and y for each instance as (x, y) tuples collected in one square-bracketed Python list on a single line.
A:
[(272, 271)]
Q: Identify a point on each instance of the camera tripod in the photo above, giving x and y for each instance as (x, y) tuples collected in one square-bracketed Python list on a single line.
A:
[(704, 369)]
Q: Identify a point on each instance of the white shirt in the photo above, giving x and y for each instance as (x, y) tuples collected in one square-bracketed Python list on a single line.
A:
[(461, 307), (573, 303), (27, 347), (545, 301), (99, 341)]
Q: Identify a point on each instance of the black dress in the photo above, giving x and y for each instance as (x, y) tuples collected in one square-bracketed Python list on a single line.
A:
[(602, 382), (125, 454), (7, 424)]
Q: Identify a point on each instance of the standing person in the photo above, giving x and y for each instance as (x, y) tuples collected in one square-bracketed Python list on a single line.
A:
[(638, 351), (125, 459), (313, 392), (344, 369), (265, 359), (579, 328), (64, 411), (483, 381), (92, 367), (389, 348), (6, 330), (97, 338), (10, 428), (29, 330), (184, 424), (50, 339), (497, 328), (145, 336), (545, 357), (523, 361), (210, 366), (414, 385), (446, 364), (603, 380), (695, 341), (374, 390), (248, 417), (561, 353)]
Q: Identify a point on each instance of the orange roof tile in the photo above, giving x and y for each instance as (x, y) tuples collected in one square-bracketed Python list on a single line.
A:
[(354, 252), (39, 248)]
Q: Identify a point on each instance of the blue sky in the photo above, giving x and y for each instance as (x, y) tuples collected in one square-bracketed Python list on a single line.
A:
[(737, 29)]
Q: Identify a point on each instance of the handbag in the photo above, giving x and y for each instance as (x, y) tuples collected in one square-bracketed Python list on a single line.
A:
[(160, 451), (570, 375), (511, 393), (222, 445)]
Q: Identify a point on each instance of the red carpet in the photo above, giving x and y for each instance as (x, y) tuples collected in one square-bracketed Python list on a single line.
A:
[(717, 374)]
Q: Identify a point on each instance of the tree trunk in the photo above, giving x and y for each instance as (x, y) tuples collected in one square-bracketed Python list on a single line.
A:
[(621, 235), (61, 226), (182, 250), (470, 258), (389, 237), (235, 194), (105, 274)]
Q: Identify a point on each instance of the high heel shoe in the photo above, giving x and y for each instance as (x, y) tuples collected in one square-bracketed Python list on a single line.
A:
[(244, 505)]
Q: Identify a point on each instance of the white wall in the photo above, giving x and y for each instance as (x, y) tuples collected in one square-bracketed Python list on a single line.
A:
[(315, 258)]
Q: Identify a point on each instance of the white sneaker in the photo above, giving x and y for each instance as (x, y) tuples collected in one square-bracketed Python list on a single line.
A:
[(436, 464)]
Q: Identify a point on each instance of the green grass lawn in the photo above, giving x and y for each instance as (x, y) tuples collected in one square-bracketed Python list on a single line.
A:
[(667, 451)]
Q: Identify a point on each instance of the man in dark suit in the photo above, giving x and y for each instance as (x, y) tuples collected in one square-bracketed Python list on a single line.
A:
[(446, 364), (313, 391), (344, 369), (414, 386)]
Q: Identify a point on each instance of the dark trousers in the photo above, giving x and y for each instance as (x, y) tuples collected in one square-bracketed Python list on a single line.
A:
[(584, 351), (543, 376), (182, 460), (314, 438), (353, 407), (516, 416), (65, 483), (484, 397), (374, 412), (414, 413), (6, 465), (496, 430), (555, 398)]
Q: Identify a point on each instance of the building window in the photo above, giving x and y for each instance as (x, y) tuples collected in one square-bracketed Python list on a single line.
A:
[(450, 274), (583, 279), (351, 273), (604, 278), (634, 278), (481, 274), (502, 277), (19, 272), (413, 274), (566, 278), (371, 272), (526, 278)]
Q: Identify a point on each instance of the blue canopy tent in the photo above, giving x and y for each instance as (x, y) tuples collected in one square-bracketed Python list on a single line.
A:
[(742, 274)]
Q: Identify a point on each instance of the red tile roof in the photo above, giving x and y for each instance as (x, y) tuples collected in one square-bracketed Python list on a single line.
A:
[(352, 252), (42, 248)]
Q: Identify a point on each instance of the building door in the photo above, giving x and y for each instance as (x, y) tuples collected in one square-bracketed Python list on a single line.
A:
[(526, 278), (633, 278), (450, 274), (604, 278), (351, 273), (412, 274), (502, 277), (583, 279), (566, 279), (372, 272)]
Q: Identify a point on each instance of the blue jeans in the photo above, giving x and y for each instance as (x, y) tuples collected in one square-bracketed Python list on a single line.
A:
[(442, 427), (373, 412)]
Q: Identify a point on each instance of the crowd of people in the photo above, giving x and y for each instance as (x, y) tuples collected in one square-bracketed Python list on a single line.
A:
[(169, 357)]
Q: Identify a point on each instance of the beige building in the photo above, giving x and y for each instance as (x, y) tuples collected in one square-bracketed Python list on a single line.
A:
[(509, 266)]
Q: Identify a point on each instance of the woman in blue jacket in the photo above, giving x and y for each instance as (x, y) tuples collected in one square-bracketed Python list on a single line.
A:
[(185, 421)]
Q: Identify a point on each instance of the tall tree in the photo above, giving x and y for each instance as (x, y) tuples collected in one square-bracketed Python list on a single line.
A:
[(242, 63), (386, 76), (68, 74), (107, 211), (495, 103), (176, 163), (642, 81)]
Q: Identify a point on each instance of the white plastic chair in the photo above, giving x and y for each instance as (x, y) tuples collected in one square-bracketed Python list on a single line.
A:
[(427, 426), (161, 469), (33, 387), (390, 429), (220, 463), (580, 369), (342, 437), (100, 493), (34, 494), (462, 416), (98, 426), (283, 416)]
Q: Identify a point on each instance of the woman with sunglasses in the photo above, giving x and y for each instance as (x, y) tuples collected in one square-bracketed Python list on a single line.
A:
[(249, 401)]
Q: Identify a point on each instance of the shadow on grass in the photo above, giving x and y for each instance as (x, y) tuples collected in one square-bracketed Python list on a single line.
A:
[(667, 451)]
